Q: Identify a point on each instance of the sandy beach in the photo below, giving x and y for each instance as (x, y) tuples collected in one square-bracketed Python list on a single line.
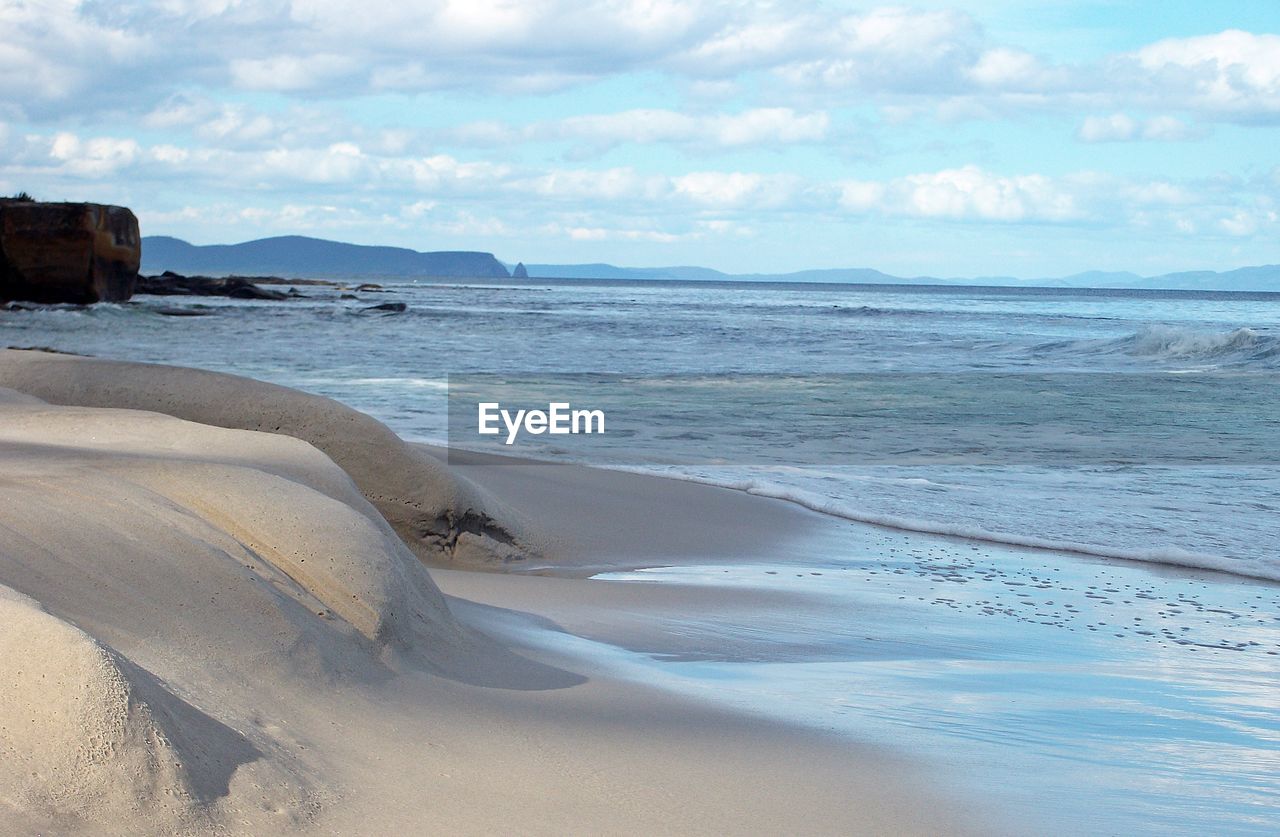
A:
[(218, 619)]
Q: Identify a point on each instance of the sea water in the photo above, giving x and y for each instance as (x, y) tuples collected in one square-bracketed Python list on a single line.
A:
[(1132, 424)]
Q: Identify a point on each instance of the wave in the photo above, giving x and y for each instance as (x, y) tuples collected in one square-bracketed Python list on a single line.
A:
[(871, 311), (1237, 348), (1167, 555), (407, 383), (59, 308), (110, 310)]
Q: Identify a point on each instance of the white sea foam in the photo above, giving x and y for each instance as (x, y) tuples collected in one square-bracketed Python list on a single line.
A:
[(1238, 347), (1182, 342), (407, 383)]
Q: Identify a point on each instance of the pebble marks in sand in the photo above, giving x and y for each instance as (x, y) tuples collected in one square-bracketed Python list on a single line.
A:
[(1218, 615), (1200, 613)]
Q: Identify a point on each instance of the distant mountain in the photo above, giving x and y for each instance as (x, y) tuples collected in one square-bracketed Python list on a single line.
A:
[(859, 275), (1100, 279), (298, 256), (1261, 278), (698, 274), (302, 257)]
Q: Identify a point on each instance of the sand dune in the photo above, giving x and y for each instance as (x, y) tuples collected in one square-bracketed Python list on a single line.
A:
[(214, 630), (441, 517), (194, 546), (89, 736), (290, 523)]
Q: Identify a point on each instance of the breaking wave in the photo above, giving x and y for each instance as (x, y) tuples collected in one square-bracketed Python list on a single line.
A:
[(1243, 348)]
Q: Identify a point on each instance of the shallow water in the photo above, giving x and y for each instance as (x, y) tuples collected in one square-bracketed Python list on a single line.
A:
[(1078, 696)]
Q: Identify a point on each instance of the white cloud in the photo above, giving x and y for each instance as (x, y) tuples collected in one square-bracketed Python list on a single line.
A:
[(361, 186), (93, 158), (616, 184), (51, 51), (885, 52), (1007, 69), (64, 56), (737, 189), (608, 234), (283, 73), (418, 209), (1232, 72), (1241, 223), (966, 193), (862, 195), (328, 114), (1156, 193), (752, 127), (228, 124), (598, 132), (1093, 199), (1169, 129), (970, 192), (1121, 127), (464, 223), (1114, 128)]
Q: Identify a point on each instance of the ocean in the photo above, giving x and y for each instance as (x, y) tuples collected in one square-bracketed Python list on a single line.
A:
[(1128, 424)]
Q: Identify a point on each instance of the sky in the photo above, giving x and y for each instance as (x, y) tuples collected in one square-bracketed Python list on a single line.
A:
[(1030, 139)]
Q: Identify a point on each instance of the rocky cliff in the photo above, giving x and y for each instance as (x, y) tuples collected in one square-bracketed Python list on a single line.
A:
[(67, 252)]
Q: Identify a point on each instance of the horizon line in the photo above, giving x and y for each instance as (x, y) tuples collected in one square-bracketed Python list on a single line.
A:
[(509, 264)]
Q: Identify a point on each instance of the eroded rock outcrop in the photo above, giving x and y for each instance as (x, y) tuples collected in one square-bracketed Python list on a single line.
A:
[(440, 516), (67, 252)]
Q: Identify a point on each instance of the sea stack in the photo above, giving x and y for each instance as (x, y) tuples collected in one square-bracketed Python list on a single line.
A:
[(67, 252), (521, 272)]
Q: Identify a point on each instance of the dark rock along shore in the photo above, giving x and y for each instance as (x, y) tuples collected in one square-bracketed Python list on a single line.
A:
[(67, 252), (237, 287)]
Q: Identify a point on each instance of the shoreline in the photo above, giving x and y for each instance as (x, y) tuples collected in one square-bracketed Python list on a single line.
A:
[(1004, 670), (606, 519), (514, 478)]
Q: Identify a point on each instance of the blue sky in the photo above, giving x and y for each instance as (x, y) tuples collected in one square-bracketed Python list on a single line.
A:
[(949, 139)]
